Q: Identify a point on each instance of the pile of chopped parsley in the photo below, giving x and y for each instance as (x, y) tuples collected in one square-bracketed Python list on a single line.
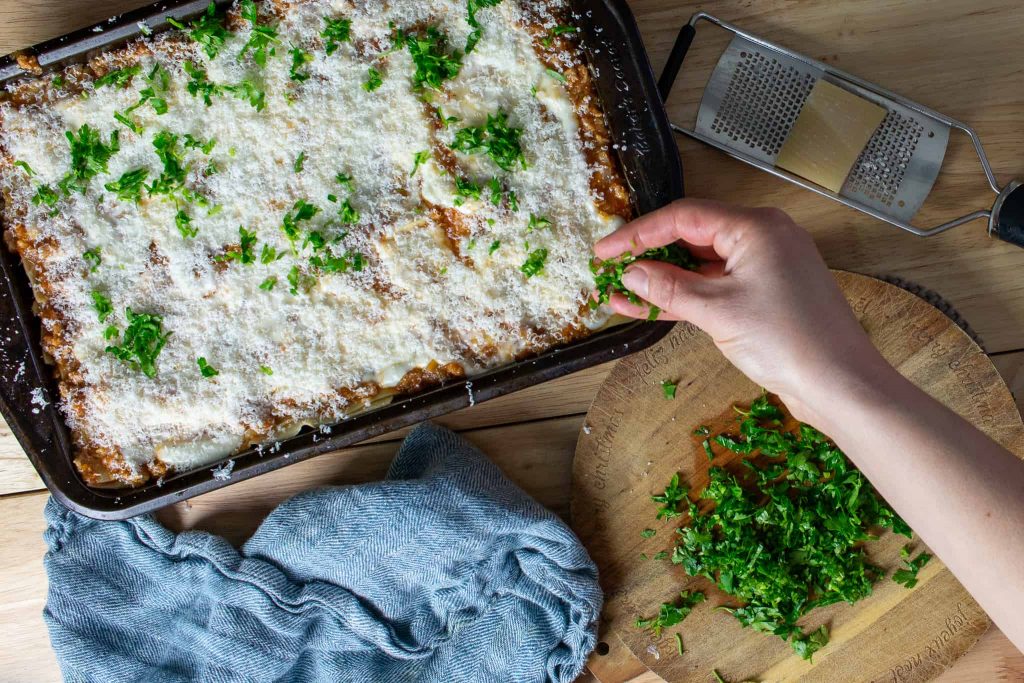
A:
[(608, 274), (784, 536)]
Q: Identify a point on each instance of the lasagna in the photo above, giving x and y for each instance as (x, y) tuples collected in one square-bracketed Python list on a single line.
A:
[(297, 210)]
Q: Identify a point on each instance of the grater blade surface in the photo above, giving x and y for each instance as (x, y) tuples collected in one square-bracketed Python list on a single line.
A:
[(897, 170), (756, 94), (753, 98)]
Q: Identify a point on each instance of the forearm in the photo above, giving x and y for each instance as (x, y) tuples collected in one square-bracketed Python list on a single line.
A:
[(960, 491)]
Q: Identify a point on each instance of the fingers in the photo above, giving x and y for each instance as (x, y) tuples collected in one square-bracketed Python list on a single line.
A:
[(710, 227), (680, 294)]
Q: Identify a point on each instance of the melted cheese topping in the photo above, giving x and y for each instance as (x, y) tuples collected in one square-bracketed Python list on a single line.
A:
[(432, 292)]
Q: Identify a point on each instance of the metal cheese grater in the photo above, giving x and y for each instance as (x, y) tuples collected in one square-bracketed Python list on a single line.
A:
[(758, 90)]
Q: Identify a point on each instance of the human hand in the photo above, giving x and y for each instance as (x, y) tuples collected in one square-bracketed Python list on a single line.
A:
[(764, 295)]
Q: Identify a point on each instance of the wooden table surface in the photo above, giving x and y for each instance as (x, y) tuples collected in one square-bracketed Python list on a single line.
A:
[(959, 57)]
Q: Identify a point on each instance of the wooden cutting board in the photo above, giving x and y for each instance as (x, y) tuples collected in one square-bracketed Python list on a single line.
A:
[(634, 440)]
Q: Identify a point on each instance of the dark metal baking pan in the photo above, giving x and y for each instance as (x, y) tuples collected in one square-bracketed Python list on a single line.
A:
[(647, 153)]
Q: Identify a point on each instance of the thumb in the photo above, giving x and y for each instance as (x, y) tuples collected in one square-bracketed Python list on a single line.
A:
[(680, 294)]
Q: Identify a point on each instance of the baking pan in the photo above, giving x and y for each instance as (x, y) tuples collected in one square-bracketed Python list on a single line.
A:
[(28, 389)]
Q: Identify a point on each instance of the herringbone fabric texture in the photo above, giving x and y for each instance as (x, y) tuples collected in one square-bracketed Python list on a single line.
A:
[(445, 571)]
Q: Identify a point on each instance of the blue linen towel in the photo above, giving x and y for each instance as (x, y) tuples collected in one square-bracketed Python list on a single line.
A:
[(445, 571)]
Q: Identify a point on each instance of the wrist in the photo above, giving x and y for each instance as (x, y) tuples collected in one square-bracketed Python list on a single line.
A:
[(830, 393)]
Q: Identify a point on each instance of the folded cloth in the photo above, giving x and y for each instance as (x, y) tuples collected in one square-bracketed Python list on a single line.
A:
[(445, 571)]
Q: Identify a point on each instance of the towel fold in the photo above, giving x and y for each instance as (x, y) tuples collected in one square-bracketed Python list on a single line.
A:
[(445, 571)]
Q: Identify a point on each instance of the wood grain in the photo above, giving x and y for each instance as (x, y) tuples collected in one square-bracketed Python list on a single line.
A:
[(638, 440), (960, 57)]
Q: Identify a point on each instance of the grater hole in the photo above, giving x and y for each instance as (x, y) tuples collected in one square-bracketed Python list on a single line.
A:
[(762, 102), (879, 172)]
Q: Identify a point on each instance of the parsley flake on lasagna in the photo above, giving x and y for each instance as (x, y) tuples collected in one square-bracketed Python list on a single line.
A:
[(296, 211)]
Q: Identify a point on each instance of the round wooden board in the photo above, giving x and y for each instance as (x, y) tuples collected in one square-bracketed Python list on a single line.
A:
[(635, 440)]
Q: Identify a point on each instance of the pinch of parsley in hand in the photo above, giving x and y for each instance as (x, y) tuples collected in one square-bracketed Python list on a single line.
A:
[(608, 274)]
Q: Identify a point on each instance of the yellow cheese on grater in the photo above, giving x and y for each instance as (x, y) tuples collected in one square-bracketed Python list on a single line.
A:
[(832, 130)]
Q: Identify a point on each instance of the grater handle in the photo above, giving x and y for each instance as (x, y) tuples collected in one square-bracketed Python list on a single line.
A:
[(675, 60), (1007, 221)]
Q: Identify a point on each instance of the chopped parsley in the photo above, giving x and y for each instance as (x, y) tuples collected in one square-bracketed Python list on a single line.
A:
[(445, 120), (670, 500), (269, 283), (537, 223), (172, 179), (269, 254), (300, 58), (534, 264), (297, 280), (205, 369), (266, 370), (195, 143), (184, 224), (608, 274), (128, 122), (93, 259), (200, 84), (302, 211), (477, 33), (374, 79), (57, 82), (247, 90), (559, 30), (263, 37), (679, 640), (513, 201), (495, 246), (345, 181), (120, 78), (557, 76), (159, 80), (23, 165), (434, 64), (670, 614), (102, 305), (348, 213), (142, 342), (128, 187), (89, 157), (418, 160), (907, 576), (648, 533), (496, 139), (786, 536), (207, 30), (495, 186), (300, 162), (669, 389), (245, 254), (465, 189), (329, 262), (45, 196), (336, 31)]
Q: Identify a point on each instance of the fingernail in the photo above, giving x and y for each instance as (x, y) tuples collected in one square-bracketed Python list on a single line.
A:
[(635, 279)]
